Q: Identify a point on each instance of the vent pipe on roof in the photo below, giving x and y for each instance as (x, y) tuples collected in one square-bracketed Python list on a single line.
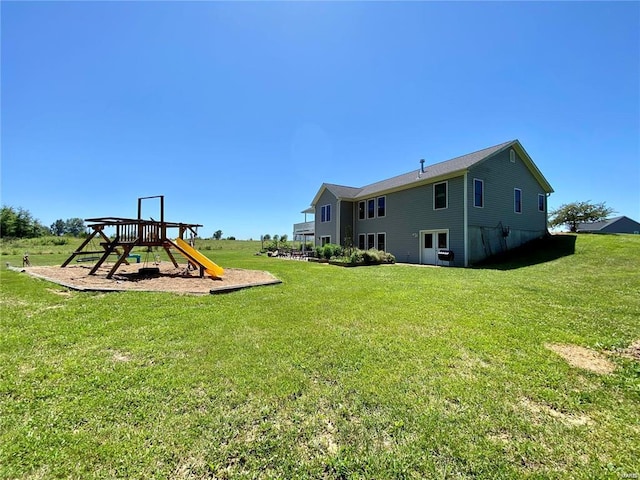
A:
[(422, 165)]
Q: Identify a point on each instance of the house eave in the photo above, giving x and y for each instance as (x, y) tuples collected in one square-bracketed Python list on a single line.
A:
[(409, 186)]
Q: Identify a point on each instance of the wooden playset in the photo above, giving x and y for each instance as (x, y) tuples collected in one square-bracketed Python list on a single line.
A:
[(130, 233)]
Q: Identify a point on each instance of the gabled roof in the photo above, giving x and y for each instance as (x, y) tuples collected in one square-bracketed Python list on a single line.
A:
[(431, 173), (602, 224)]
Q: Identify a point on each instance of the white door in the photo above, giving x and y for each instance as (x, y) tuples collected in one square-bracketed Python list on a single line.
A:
[(428, 248), (430, 242)]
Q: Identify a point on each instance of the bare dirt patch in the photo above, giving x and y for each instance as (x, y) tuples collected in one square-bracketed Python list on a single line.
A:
[(539, 409), (584, 358), (168, 279), (632, 351)]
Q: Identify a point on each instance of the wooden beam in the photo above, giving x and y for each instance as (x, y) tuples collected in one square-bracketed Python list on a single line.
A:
[(79, 249), (127, 249)]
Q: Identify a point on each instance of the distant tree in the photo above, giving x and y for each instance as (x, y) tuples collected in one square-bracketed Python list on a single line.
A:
[(19, 223), (231, 238), (217, 235), (7, 221), (266, 237), (276, 238), (74, 226), (57, 228), (284, 238), (572, 214)]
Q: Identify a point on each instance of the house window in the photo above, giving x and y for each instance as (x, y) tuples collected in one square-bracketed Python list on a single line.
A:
[(428, 240), (440, 195), (517, 200), (371, 238), (382, 241), (478, 193), (361, 241), (324, 240), (540, 202), (442, 240), (325, 213), (371, 208), (512, 156), (382, 208), (361, 210)]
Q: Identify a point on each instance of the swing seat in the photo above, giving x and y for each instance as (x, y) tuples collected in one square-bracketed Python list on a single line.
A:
[(87, 259)]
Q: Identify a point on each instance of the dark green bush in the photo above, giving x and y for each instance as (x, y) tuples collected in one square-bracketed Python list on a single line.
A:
[(329, 250)]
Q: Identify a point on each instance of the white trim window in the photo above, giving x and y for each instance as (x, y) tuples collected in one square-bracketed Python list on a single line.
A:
[(512, 156), (382, 206), (381, 241), (371, 241), (361, 210), (440, 195), (517, 200), (478, 193), (371, 208), (361, 241), (443, 239), (324, 240), (541, 199), (325, 213)]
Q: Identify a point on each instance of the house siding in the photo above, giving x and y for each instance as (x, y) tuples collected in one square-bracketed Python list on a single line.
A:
[(326, 228), (488, 226), (410, 211)]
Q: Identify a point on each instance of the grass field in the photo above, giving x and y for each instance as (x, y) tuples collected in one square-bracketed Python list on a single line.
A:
[(374, 372)]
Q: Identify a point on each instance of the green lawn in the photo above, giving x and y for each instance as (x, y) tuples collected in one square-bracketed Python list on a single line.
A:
[(373, 372)]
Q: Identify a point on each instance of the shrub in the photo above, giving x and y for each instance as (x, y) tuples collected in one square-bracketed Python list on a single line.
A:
[(357, 257), (371, 256), (331, 250)]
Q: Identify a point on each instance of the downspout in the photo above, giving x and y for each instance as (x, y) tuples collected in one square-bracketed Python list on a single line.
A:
[(466, 221), (546, 212), (338, 223)]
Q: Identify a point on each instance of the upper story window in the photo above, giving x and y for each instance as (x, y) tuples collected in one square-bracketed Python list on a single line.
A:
[(371, 208), (478, 193), (512, 156), (382, 206), (325, 213), (517, 200), (361, 210), (540, 202), (440, 195)]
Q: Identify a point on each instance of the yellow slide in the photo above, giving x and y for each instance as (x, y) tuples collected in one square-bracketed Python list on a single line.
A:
[(209, 267)]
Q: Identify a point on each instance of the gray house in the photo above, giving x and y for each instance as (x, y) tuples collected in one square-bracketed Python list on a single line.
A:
[(474, 206), (621, 224)]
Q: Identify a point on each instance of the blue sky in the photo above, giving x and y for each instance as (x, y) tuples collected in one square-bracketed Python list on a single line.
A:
[(237, 112)]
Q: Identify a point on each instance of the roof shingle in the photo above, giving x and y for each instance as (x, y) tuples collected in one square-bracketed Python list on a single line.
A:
[(431, 171)]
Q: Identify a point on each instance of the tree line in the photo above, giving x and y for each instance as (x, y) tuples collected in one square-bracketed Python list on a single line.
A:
[(20, 223)]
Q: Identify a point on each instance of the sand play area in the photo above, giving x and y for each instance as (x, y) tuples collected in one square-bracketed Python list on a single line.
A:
[(167, 279)]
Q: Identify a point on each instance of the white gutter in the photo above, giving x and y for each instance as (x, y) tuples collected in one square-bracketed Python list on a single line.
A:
[(337, 242)]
